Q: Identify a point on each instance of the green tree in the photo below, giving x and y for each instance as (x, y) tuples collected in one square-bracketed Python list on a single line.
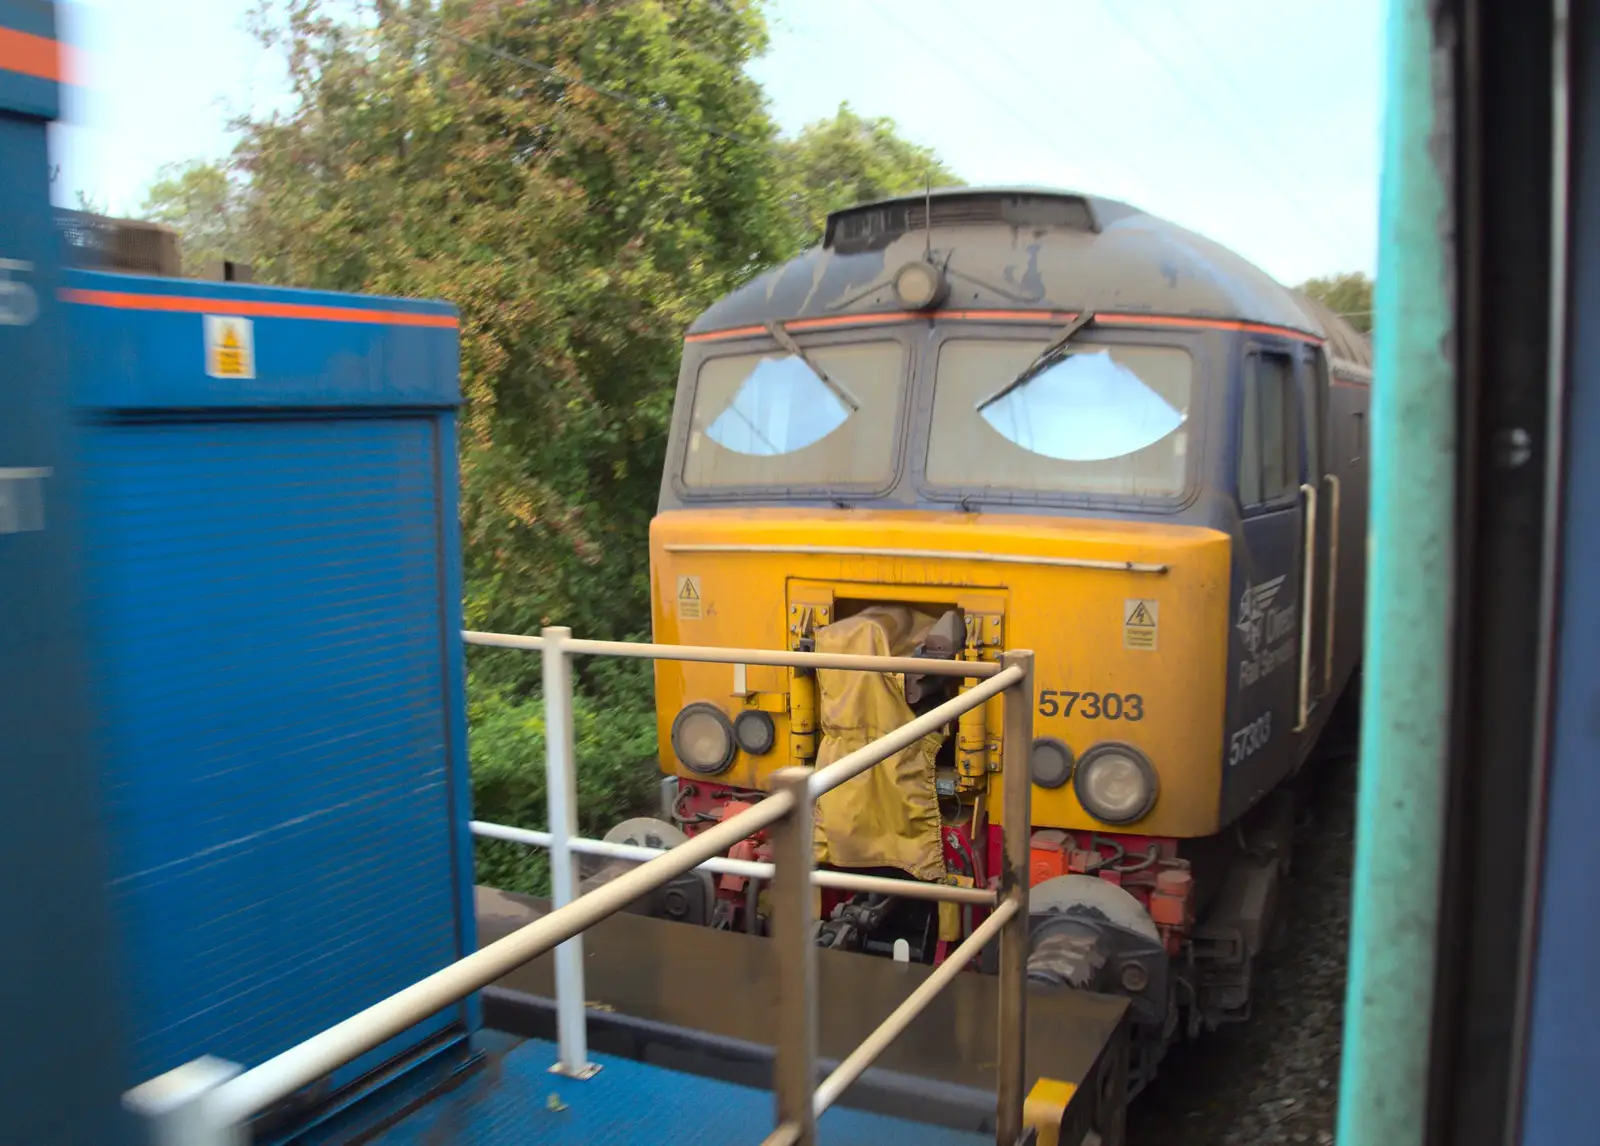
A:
[(201, 201), (1348, 295), (616, 777), (848, 159), (580, 179)]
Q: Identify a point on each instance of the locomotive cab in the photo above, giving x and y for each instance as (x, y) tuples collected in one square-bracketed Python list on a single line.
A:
[(982, 419)]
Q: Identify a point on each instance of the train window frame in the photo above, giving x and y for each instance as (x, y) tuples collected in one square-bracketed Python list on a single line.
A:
[(1293, 429), (697, 354), (1193, 343)]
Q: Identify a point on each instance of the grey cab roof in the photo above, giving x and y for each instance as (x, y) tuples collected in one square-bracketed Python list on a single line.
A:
[(1015, 248)]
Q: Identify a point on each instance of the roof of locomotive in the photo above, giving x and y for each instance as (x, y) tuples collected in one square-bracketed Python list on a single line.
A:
[(1014, 248)]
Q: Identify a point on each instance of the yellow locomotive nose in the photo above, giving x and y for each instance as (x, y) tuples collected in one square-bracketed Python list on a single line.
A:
[(1128, 620)]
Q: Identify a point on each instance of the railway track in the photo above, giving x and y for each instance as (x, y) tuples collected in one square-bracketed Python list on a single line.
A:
[(1275, 1079)]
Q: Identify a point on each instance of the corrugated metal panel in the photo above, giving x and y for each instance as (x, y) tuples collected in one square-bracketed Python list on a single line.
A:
[(271, 599)]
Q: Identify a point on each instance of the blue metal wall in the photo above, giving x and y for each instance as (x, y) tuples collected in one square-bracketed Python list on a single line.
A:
[(275, 584), (1563, 1035)]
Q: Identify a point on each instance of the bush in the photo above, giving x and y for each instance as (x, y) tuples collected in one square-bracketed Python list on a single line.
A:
[(618, 774)]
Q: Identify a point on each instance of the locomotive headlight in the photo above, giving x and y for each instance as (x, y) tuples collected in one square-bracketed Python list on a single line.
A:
[(1115, 783), (920, 285), (702, 738)]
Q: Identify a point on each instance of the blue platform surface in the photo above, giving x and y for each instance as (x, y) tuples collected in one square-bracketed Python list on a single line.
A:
[(515, 1099)]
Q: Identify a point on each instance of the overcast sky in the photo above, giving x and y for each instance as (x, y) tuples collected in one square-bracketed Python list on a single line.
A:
[(1255, 122)]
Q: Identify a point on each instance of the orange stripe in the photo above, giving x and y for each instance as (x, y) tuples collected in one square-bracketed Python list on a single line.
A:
[(30, 55), (1207, 324), (725, 335), (1034, 316), (118, 300), (804, 324)]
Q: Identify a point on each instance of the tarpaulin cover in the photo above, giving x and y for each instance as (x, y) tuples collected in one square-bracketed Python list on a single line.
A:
[(889, 815)]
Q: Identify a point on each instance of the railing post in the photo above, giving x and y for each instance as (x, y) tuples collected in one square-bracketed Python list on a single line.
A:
[(794, 947), (176, 1109), (561, 794), (1017, 786)]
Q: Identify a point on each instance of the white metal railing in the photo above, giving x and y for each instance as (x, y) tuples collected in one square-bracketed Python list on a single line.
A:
[(210, 1102), (749, 869)]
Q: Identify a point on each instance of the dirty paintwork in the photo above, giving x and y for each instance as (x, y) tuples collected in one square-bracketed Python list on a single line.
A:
[(1242, 630), (1005, 253)]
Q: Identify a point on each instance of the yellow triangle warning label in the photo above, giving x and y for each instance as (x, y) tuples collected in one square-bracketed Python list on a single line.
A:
[(1139, 623), (230, 346), (688, 598)]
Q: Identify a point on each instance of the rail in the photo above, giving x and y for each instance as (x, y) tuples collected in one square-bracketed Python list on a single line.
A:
[(209, 1102)]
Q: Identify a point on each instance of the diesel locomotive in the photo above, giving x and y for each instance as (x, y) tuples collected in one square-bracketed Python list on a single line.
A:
[(985, 418)]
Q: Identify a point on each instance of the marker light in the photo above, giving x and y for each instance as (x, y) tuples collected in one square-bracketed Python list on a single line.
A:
[(754, 731), (1050, 763)]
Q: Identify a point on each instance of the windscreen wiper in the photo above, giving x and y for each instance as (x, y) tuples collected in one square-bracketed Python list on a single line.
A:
[(786, 340), (1047, 358)]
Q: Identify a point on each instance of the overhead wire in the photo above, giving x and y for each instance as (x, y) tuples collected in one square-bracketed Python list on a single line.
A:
[(1200, 42), (1200, 101), (1204, 48), (987, 93)]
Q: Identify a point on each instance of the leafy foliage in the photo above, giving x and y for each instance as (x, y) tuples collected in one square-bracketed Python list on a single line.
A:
[(615, 770), (839, 162), (203, 204), (1349, 295), (577, 235)]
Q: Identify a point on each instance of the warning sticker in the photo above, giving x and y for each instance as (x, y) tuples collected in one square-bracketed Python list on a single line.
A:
[(230, 346), (689, 604), (1140, 619)]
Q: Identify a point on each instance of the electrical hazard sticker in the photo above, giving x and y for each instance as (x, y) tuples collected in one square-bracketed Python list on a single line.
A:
[(690, 607), (230, 346), (1139, 623)]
